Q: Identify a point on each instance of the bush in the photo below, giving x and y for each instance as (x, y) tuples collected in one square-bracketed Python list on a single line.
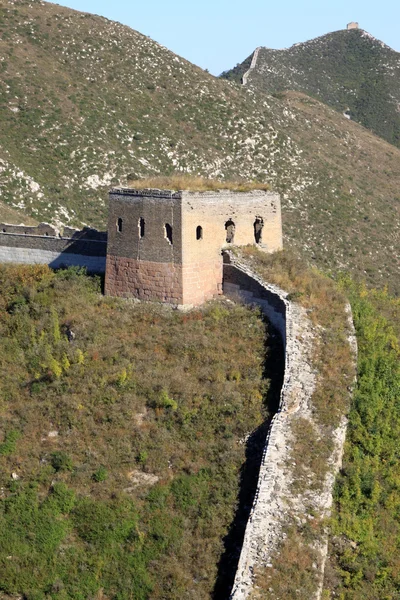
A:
[(100, 475), (60, 461), (10, 443)]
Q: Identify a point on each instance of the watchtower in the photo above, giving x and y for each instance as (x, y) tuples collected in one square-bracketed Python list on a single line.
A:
[(166, 245), (352, 25)]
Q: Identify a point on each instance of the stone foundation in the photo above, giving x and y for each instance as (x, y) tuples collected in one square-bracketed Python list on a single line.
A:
[(145, 280)]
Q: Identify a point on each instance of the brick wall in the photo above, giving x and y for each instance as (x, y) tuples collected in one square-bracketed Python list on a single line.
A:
[(201, 255)]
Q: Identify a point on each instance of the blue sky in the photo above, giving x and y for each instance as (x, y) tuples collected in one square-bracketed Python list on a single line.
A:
[(217, 34)]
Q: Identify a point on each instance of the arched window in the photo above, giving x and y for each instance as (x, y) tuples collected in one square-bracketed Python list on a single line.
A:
[(141, 226), (168, 232), (258, 227), (199, 232), (230, 231), (119, 225)]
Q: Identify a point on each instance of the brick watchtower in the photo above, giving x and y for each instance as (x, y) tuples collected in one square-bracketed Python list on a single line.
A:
[(166, 245)]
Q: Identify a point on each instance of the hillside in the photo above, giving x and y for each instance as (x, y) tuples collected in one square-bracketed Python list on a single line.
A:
[(348, 70), (11, 215), (86, 103), (122, 449)]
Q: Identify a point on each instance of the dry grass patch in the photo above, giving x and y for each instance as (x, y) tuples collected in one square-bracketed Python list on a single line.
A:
[(197, 184)]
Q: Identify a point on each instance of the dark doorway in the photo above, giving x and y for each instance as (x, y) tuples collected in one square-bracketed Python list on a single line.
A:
[(230, 231), (168, 232), (119, 225), (142, 225), (258, 227), (199, 232)]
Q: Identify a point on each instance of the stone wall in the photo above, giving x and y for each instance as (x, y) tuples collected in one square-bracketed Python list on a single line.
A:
[(145, 280), (252, 65), (275, 501), (42, 245)]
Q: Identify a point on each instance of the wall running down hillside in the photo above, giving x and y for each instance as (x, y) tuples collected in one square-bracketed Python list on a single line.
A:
[(274, 500)]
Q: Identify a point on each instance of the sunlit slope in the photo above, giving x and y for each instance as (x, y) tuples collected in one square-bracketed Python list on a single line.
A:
[(86, 103), (350, 70)]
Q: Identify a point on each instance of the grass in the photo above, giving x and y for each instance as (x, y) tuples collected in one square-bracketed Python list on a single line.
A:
[(365, 529), (15, 217), (125, 442), (197, 184)]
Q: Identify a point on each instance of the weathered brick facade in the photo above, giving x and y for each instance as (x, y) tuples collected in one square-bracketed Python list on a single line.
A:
[(143, 279), (165, 245)]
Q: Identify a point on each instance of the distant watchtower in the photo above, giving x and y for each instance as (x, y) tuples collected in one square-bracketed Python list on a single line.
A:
[(166, 245), (352, 25)]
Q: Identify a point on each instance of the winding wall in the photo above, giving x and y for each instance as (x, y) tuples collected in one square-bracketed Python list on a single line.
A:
[(274, 501), (252, 66)]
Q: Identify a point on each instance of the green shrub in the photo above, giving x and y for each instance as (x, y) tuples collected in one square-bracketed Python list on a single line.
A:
[(10, 442), (60, 461), (100, 475)]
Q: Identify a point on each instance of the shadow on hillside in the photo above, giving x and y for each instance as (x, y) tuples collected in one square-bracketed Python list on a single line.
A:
[(274, 370)]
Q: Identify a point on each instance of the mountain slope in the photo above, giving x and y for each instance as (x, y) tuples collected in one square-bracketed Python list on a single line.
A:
[(10, 215), (86, 103), (349, 70)]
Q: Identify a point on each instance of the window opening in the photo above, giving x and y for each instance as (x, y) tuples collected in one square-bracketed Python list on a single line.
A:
[(258, 227), (230, 231), (168, 232), (142, 225), (199, 232), (119, 225)]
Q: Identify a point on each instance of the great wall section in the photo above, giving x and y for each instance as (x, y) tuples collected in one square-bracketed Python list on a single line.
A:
[(274, 501), (44, 245), (252, 66)]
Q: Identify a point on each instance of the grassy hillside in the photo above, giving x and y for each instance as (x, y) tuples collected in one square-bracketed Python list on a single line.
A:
[(11, 215), (86, 103), (121, 450), (349, 70), (365, 529)]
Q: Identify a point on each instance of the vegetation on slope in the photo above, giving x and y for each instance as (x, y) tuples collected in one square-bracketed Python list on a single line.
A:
[(16, 217), (120, 450), (364, 545), (348, 70), (87, 103), (364, 529)]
